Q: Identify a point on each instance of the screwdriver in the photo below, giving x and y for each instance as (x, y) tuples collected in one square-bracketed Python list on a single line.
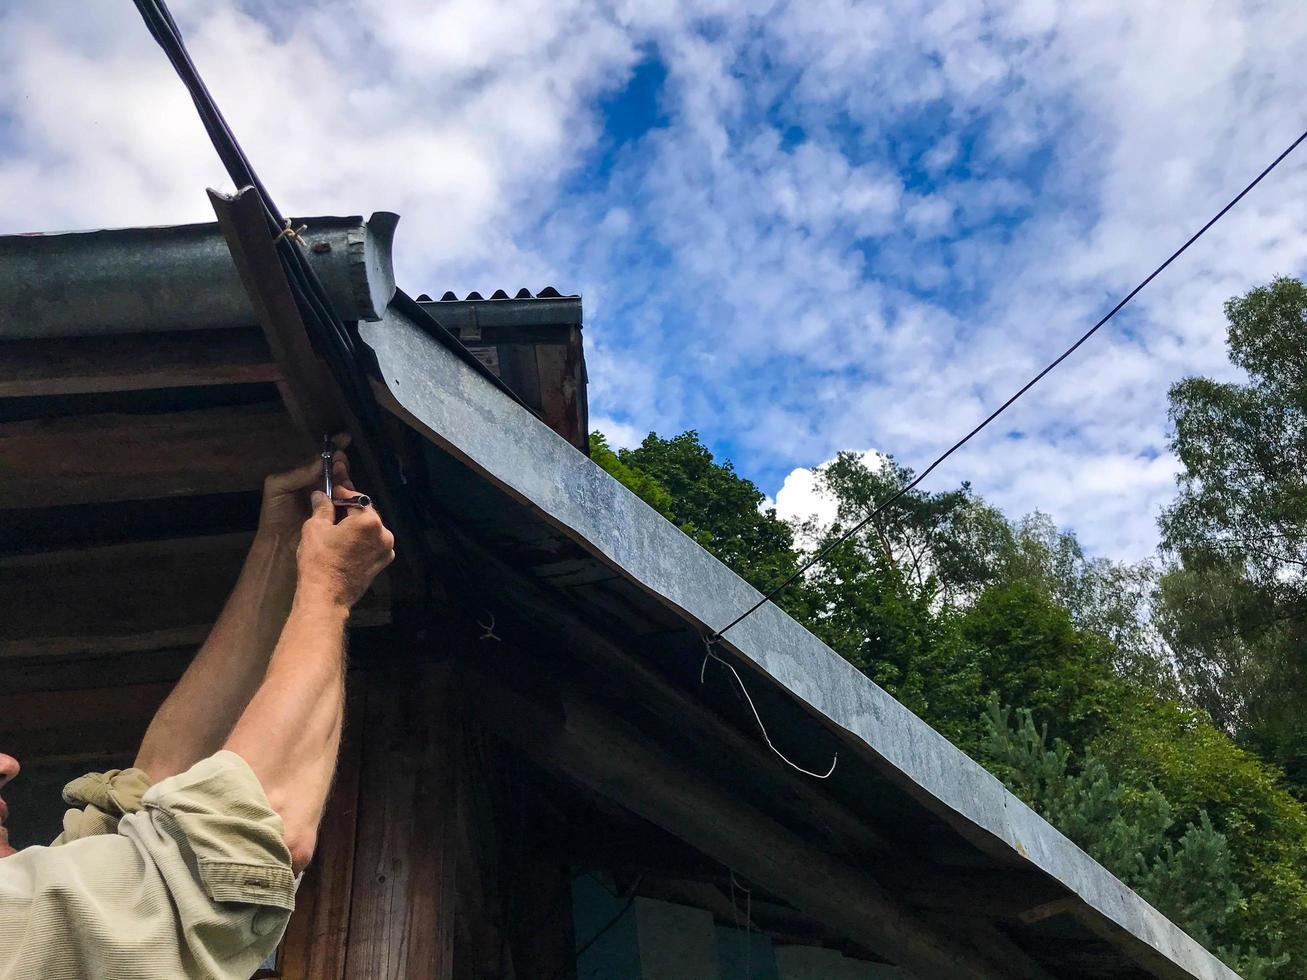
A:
[(358, 500)]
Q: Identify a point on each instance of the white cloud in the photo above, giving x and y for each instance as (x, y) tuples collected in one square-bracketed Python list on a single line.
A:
[(620, 435), (766, 265), (800, 499)]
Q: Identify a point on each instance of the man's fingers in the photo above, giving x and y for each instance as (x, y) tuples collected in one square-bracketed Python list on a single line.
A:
[(362, 515), (323, 508), (310, 474), (340, 466), (296, 479)]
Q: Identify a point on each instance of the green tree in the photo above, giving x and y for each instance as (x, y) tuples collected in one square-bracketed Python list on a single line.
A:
[(1233, 603), (946, 544), (1205, 775), (706, 499), (644, 486), (878, 616), (1030, 652), (1177, 857), (946, 602)]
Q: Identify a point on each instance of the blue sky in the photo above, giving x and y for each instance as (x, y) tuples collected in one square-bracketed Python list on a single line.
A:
[(798, 227)]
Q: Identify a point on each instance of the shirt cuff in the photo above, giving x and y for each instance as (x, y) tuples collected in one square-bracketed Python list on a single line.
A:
[(219, 807)]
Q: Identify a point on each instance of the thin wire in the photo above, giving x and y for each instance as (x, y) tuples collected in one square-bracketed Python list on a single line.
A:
[(1004, 407), (748, 921), (758, 718)]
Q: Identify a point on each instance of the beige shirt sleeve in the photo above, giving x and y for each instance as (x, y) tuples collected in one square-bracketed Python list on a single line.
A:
[(197, 883)]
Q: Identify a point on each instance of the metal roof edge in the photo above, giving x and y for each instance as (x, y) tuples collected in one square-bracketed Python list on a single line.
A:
[(520, 454)]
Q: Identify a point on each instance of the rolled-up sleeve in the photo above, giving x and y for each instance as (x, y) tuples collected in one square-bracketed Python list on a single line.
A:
[(196, 883)]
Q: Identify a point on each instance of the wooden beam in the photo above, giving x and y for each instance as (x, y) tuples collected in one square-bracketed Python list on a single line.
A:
[(310, 393), (145, 595), (991, 893), (40, 728), (80, 459), (601, 752), (1046, 910), (134, 362), (138, 596), (67, 673), (996, 944), (402, 909)]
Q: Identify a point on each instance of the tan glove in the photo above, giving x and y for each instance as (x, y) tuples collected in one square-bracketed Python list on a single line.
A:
[(101, 799)]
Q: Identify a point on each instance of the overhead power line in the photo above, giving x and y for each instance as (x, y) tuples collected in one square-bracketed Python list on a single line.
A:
[(880, 508)]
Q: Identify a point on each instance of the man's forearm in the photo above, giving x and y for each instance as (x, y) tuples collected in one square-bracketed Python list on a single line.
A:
[(199, 714), (289, 733)]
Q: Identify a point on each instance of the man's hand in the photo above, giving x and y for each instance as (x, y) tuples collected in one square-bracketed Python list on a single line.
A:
[(285, 495), (338, 561)]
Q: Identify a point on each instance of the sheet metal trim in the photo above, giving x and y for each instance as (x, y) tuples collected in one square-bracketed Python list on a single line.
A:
[(519, 453)]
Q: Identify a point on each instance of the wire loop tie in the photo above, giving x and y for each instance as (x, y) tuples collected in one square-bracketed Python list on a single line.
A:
[(293, 233), (703, 667), (489, 628)]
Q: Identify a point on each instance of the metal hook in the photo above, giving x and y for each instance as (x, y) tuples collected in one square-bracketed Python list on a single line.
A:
[(489, 628)]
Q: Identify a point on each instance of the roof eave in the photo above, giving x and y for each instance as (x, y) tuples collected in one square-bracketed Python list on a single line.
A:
[(519, 454)]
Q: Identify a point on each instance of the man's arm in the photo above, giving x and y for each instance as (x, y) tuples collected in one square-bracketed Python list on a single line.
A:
[(199, 713), (200, 880), (289, 734)]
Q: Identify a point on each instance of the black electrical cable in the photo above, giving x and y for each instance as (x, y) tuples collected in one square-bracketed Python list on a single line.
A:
[(164, 29), (879, 508), (333, 341), (330, 338)]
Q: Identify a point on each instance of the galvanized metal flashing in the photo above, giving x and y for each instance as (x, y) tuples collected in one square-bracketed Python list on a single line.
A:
[(520, 454), (181, 277)]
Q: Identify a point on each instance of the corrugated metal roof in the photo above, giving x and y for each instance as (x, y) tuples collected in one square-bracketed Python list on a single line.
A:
[(449, 296)]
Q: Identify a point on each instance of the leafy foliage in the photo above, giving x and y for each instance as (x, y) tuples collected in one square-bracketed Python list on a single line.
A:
[(707, 500), (1031, 653), (1130, 680), (1233, 605), (1187, 868), (642, 484)]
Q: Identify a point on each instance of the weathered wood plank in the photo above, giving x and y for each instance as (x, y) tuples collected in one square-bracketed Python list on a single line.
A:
[(310, 395), (82, 459), (402, 909), (134, 362), (68, 673), (41, 728), (560, 382), (134, 596), (145, 595)]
